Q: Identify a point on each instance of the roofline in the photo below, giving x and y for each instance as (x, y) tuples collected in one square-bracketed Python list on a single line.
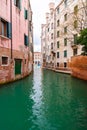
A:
[(59, 4)]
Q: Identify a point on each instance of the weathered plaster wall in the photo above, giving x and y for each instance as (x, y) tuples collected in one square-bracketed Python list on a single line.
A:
[(19, 49)]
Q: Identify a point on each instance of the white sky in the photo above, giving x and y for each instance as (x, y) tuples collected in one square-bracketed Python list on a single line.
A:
[(39, 9)]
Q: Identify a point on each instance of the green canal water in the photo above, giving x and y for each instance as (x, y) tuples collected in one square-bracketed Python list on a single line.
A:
[(44, 101)]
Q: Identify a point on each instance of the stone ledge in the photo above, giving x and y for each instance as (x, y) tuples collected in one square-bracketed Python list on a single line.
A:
[(18, 77), (59, 71)]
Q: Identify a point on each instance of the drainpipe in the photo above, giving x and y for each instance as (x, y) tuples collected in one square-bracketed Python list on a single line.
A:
[(11, 27), (28, 38)]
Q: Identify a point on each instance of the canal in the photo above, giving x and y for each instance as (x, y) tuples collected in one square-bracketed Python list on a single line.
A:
[(44, 101)]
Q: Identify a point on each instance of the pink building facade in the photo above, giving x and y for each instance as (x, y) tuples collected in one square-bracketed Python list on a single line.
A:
[(15, 44)]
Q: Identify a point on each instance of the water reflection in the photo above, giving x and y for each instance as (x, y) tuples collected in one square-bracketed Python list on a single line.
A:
[(55, 105), (44, 101)]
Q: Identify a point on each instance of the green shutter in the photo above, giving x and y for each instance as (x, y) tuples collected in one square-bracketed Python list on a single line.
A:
[(65, 42), (65, 53), (65, 29), (18, 66), (75, 24), (76, 9), (20, 6), (75, 39), (14, 2), (57, 33), (58, 44), (18, 3), (26, 42), (25, 13), (9, 30), (57, 54)]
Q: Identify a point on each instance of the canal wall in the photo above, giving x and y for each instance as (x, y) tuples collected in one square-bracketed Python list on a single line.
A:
[(65, 71), (7, 75), (8, 72), (78, 66)]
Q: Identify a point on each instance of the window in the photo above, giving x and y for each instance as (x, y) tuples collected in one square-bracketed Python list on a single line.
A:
[(48, 57), (25, 40), (57, 33), (75, 24), (52, 57), (65, 53), (48, 47), (58, 10), (58, 22), (65, 41), (75, 38), (65, 29), (5, 29), (75, 51), (57, 54), (65, 64), (17, 3), (48, 29), (9, 30), (4, 60), (57, 44), (65, 3), (51, 25), (51, 45), (57, 64), (35, 62), (76, 9), (25, 14), (65, 17), (52, 36)]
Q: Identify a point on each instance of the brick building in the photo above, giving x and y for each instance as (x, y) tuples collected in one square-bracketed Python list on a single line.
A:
[(16, 39)]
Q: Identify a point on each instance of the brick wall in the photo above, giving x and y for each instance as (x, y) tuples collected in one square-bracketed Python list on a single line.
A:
[(7, 73), (79, 67)]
